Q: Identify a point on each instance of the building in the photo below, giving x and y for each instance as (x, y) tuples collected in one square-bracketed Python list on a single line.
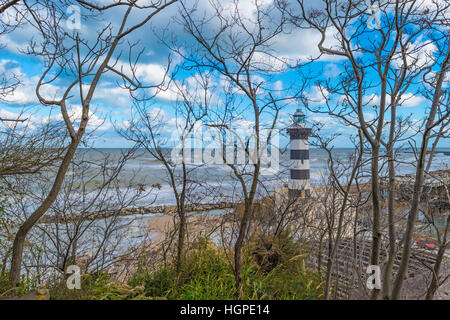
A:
[(298, 184)]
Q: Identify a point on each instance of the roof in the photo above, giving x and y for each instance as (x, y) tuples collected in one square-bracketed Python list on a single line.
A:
[(299, 112)]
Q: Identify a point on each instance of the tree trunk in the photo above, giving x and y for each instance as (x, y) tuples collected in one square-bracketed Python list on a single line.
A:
[(376, 229), (412, 217), (181, 237), (238, 250), (434, 285), (19, 240), (419, 179), (391, 210), (330, 266)]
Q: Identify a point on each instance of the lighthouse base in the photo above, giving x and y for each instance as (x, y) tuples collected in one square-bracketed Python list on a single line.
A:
[(298, 193)]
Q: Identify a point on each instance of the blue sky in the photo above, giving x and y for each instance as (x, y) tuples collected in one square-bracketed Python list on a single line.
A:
[(112, 106)]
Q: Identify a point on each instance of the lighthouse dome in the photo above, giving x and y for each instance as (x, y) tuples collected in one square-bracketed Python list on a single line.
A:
[(298, 117)]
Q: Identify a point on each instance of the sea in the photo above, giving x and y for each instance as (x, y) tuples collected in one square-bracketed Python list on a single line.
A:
[(143, 173), (216, 182)]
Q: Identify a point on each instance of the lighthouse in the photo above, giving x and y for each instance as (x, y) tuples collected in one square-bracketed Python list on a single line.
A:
[(299, 157)]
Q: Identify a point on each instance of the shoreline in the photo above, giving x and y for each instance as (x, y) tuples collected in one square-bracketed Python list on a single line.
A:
[(168, 210)]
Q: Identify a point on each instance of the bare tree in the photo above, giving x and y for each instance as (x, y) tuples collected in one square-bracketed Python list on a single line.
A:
[(146, 129), (29, 148), (84, 226), (387, 59), (342, 175), (86, 62), (237, 49), (437, 114), (433, 214)]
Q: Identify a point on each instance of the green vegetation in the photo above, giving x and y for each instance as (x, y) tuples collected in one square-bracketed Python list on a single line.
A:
[(96, 287), (278, 273), (6, 290), (206, 274)]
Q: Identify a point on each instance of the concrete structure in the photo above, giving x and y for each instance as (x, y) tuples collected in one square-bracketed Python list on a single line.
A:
[(298, 184)]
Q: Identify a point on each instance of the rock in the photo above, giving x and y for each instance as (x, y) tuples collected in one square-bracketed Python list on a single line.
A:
[(38, 294)]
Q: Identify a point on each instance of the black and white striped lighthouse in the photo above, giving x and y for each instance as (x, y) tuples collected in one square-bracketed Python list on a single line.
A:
[(299, 165)]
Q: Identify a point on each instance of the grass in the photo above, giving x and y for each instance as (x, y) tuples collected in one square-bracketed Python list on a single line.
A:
[(7, 291), (205, 274)]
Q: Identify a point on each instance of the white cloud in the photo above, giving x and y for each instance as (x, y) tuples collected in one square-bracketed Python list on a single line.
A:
[(112, 94), (193, 88), (32, 120), (5, 114), (271, 63), (151, 73), (411, 100), (407, 100), (10, 67), (26, 92), (332, 124), (95, 122), (317, 95), (278, 85), (158, 114), (302, 45), (371, 100), (418, 54), (331, 70), (247, 8)]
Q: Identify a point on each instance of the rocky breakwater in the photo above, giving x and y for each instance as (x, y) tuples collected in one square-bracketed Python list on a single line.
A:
[(165, 209)]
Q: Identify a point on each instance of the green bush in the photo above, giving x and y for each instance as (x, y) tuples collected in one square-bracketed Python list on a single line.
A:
[(6, 291), (96, 287), (206, 274)]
